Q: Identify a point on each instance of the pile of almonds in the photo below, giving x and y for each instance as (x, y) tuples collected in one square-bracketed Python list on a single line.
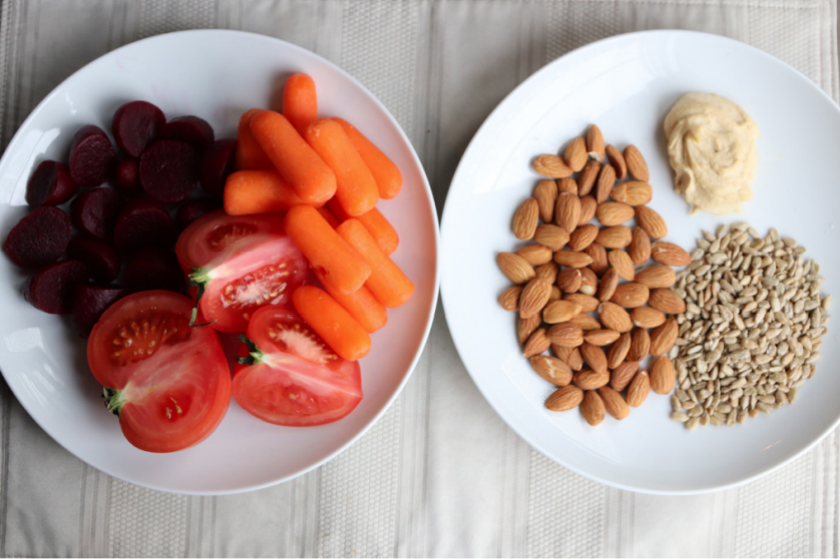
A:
[(577, 266)]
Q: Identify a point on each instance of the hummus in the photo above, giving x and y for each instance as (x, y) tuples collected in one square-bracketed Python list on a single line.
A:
[(711, 143)]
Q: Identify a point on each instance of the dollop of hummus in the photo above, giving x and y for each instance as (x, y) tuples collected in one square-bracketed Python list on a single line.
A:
[(711, 144)]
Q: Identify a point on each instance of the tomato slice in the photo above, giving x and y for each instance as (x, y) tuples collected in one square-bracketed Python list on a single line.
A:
[(169, 383), (240, 264), (289, 376)]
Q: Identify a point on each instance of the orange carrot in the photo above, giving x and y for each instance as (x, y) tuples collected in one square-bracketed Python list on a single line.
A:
[(258, 192), (338, 329), (361, 305), (343, 268), (300, 103), (357, 192), (376, 224), (387, 175), (249, 154), (387, 282), (328, 215), (296, 162)]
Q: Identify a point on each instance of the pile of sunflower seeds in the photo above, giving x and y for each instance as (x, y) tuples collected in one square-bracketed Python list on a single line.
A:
[(752, 328)]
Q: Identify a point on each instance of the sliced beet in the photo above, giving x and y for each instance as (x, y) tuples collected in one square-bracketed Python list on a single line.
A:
[(190, 129), (100, 257), (90, 301), (153, 268), (92, 156), (95, 211), (49, 185), (136, 125), (194, 209), (51, 289), (128, 179), (216, 164), (40, 238), (169, 171), (143, 222)]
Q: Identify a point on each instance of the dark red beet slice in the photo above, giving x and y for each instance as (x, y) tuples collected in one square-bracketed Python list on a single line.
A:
[(100, 257), (153, 268), (143, 222), (90, 301), (51, 289), (40, 238), (127, 177), (216, 164), (136, 125), (92, 156), (193, 209), (169, 171), (95, 212), (49, 185), (190, 129)]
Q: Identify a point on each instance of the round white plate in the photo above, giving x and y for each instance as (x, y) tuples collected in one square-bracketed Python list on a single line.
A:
[(626, 85), (202, 73)]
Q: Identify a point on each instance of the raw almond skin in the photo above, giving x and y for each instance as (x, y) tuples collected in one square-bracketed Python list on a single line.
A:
[(618, 351), (545, 193), (575, 359), (560, 311), (552, 236), (640, 345), (585, 322), (614, 317), (617, 236), (667, 301), (551, 166), (536, 344), (639, 248), (515, 268), (599, 258), (636, 164), (623, 264), (617, 161), (614, 403), (588, 282), (509, 299), (568, 355), (595, 143), (647, 317), (565, 335), (525, 219), (605, 183), (588, 176), (588, 379), (565, 398), (662, 375), (609, 283), (567, 211), (534, 298), (556, 295), (638, 390), (592, 408), (631, 295), (663, 337), (526, 326), (572, 259), (569, 280), (601, 337), (552, 369), (595, 357), (670, 254), (576, 154), (587, 303), (567, 184), (547, 271), (614, 213), (588, 207), (623, 374), (651, 222), (656, 277), (583, 236), (633, 193), (536, 255)]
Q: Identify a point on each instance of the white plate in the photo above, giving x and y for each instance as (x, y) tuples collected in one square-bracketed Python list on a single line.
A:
[(216, 75), (626, 85)]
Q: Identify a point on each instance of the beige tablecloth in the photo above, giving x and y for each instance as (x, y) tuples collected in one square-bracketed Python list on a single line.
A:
[(415, 485)]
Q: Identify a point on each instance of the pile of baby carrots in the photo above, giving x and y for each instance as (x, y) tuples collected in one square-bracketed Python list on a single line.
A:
[(328, 178)]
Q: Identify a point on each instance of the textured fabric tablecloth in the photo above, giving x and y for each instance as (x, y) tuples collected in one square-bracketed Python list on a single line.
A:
[(440, 474)]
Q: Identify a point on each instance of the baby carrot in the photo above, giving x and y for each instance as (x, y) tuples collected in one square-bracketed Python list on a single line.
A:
[(361, 305), (300, 103), (387, 175), (376, 224), (296, 162), (249, 154), (330, 321), (328, 215), (387, 282), (343, 268), (258, 192), (356, 192)]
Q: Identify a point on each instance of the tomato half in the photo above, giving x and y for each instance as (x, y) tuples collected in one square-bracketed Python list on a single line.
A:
[(169, 383), (240, 264), (292, 377)]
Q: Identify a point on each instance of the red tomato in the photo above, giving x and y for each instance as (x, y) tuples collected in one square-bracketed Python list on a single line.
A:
[(292, 377), (169, 383), (240, 264)]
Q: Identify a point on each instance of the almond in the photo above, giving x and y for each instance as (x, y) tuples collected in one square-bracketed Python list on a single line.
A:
[(545, 193), (638, 390), (595, 143), (586, 303), (536, 344), (588, 282), (551, 236), (509, 299), (670, 254), (631, 295), (617, 236), (639, 248), (667, 301), (565, 398), (618, 351), (622, 263), (572, 259), (663, 337), (592, 408), (595, 357), (651, 222), (547, 271), (617, 161), (583, 236), (556, 295), (614, 213), (588, 176), (621, 376), (588, 207), (552, 369), (647, 317), (614, 403), (601, 337), (535, 255), (568, 355), (525, 219), (585, 322), (576, 154), (599, 258), (605, 183), (551, 166), (567, 184), (567, 211), (565, 335), (636, 163), (640, 345), (526, 326), (662, 375), (534, 298), (569, 280), (560, 311), (633, 193), (515, 268), (609, 283), (657, 276), (614, 317), (588, 379)]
